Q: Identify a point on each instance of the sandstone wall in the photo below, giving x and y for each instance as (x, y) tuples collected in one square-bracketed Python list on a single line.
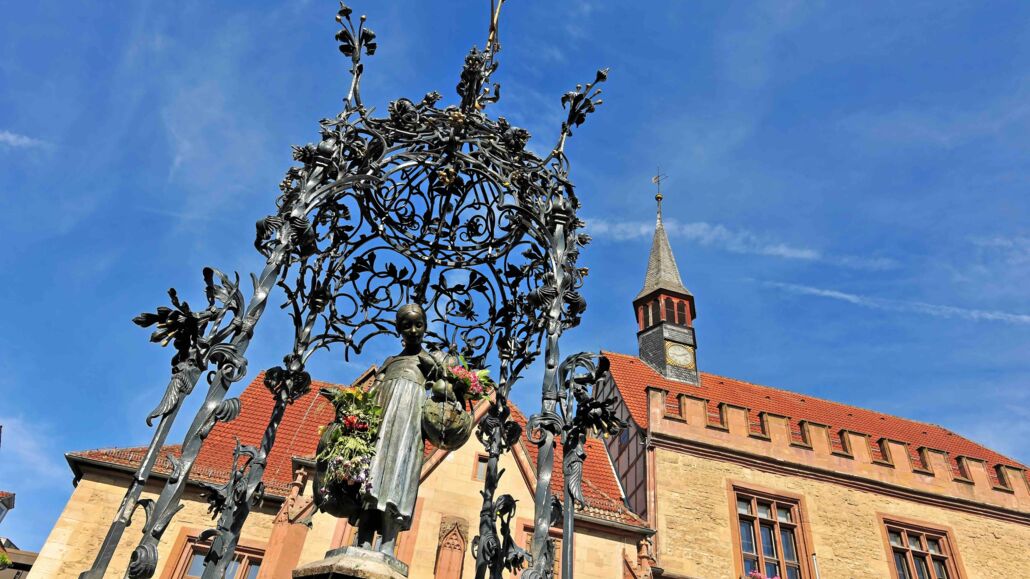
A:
[(449, 491), (695, 523), (76, 537)]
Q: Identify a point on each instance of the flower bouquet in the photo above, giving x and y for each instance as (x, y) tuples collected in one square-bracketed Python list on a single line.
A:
[(445, 423), (475, 385), (345, 450), (756, 574)]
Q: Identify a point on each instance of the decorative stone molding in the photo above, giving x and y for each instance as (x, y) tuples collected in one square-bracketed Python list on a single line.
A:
[(852, 457)]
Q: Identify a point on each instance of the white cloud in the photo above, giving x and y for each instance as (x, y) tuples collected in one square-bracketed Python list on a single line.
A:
[(16, 141), (29, 453), (734, 241), (935, 310), (1012, 250)]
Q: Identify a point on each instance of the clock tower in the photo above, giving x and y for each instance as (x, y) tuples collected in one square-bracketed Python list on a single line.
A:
[(665, 312)]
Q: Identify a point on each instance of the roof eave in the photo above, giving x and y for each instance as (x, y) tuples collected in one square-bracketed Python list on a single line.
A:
[(77, 462)]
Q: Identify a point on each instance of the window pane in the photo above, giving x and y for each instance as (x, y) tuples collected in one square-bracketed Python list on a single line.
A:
[(252, 571), (750, 565), (747, 537), (768, 542), (913, 541), (787, 540), (771, 570), (793, 573), (196, 565), (896, 538), (231, 569), (901, 565), (765, 510), (940, 568), (784, 514), (934, 545), (921, 569), (744, 506)]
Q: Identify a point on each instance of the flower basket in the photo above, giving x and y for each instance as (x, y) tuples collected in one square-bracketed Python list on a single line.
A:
[(446, 424), (339, 498), (345, 450)]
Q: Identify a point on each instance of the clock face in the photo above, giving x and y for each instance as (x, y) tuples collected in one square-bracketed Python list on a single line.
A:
[(679, 355)]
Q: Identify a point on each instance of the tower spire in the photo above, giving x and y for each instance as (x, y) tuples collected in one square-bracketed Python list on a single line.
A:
[(664, 308), (662, 272)]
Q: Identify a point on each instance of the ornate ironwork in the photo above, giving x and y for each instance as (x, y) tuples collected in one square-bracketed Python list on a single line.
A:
[(583, 414), (440, 206)]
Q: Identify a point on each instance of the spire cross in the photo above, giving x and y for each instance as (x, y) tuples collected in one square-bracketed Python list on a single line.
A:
[(657, 180)]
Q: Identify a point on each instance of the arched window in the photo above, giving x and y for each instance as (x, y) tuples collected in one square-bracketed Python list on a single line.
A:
[(656, 313), (670, 311), (681, 313), (450, 555)]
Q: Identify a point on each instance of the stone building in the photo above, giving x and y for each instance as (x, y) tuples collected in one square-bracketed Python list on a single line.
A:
[(714, 477)]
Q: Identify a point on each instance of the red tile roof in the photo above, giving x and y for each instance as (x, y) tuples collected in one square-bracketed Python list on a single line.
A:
[(297, 434), (633, 377), (298, 437), (600, 486)]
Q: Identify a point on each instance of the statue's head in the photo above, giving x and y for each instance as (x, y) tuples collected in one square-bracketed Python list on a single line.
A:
[(411, 324)]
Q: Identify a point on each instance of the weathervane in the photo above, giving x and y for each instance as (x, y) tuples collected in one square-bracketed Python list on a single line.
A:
[(658, 179), (381, 212)]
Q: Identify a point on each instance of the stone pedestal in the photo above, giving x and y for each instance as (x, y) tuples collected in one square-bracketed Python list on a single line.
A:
[(353, 563)]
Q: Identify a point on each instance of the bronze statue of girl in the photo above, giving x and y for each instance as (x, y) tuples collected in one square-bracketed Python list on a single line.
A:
[(401, 385)]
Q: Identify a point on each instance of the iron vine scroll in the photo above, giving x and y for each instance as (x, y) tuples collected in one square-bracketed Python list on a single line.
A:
[(443, 207)]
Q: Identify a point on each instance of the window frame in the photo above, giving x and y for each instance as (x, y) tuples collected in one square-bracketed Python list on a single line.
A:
[(799, 524), (524, 537), (186, 544), (681, 313), (670, 311), (944, 534), (481, 459)]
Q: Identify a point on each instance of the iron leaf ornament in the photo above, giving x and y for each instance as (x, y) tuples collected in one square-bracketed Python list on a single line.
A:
[(430, 203)]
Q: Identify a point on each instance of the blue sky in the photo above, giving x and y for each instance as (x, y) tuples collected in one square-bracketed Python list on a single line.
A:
[(848, 191)]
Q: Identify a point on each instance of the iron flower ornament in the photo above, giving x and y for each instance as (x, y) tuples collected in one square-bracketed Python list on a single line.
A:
[(437, 205)]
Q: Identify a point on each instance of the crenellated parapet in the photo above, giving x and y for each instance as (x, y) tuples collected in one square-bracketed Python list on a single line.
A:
[(765, 439)]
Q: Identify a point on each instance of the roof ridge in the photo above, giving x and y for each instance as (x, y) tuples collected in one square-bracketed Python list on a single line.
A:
[(827, 400), (1005, 459), (796, 393), (139, 447)]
